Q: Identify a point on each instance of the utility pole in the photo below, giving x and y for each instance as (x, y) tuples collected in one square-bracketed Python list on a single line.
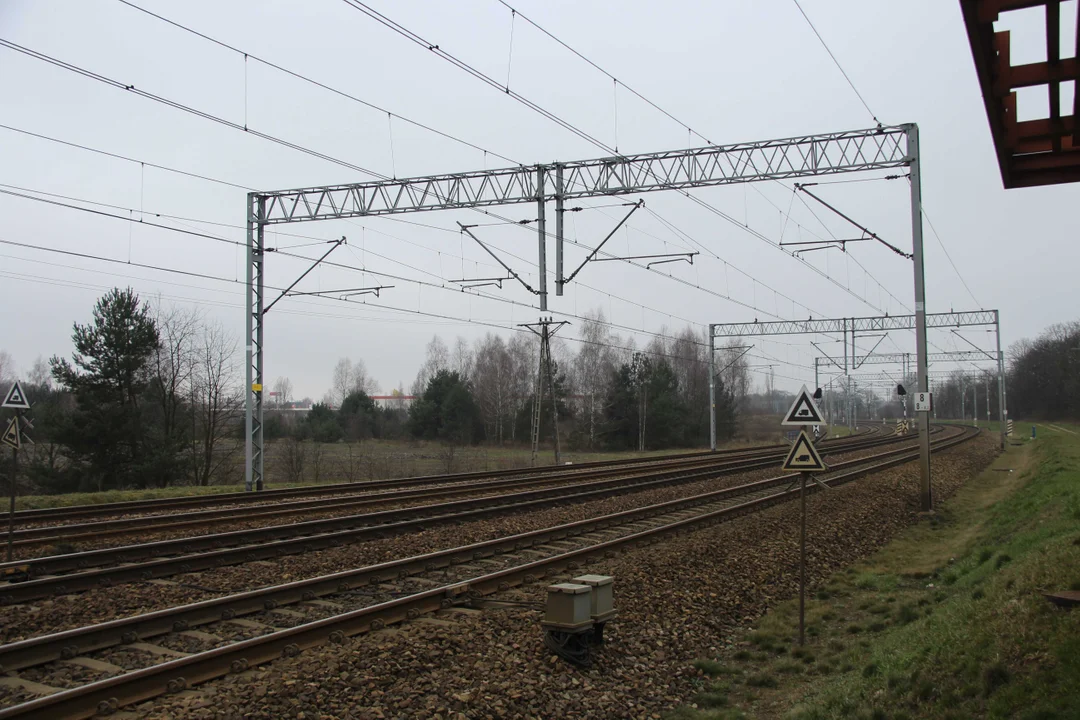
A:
[(712, 389), (914, 170), (963, 416), (545, 329), (1002, 413), (975, 402)]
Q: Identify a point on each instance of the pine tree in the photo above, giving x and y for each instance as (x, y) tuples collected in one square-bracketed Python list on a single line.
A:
[(106, 435)]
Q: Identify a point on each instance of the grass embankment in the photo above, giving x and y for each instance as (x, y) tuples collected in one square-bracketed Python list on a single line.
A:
[(947, 621)]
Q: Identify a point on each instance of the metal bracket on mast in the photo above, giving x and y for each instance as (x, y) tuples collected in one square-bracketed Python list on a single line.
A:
[(634, 207), (527, 286), (670, 258), (344, 293), (337, 244), (802, 188), (470, 283)]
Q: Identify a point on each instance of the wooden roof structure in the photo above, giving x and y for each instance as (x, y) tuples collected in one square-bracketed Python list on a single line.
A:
[(1032, 152)]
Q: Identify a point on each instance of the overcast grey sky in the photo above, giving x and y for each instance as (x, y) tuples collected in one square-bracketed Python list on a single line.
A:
[(734, 71)]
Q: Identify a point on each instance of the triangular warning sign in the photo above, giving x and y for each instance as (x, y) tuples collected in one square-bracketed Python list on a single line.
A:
[(804, 456), (16, 398), (11, 435), (804, 411)]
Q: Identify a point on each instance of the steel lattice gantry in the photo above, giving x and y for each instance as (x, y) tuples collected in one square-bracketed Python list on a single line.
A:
[(879, 323), (875, 324), (805, 156)]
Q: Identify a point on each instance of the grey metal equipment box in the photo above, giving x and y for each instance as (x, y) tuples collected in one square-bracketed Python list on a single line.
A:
[(569, 607), (603, 596)]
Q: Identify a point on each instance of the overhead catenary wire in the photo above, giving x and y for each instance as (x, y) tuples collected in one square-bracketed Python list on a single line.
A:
[(746, 226), (949, 257), (316, 83), (654, 105), (434, 227), (836, 62), (184, 108), (318, 240), (286, 143), (474, 72), (394, 309)]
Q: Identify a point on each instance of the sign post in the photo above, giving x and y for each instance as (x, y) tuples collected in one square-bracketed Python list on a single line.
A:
[(804, 458), (15, 398)]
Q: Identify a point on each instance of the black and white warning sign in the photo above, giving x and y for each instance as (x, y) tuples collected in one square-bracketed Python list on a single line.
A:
[(16, 398), (804, 456), (804, 411)]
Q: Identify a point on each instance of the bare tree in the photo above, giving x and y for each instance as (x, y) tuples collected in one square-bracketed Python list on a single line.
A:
[(283, 388), (7, 369), (494, 384), (593, 368), (350, 376), (40, 375), (294, 455), (463, 359), (216, 400), (438, 358), (316, 461), (171, 367), (361, 380), (341, 381), (524, 353)]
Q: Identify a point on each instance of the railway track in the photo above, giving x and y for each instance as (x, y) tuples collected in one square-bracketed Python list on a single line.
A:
[(98, 530), (369, 598), (146, 508), (63, 574)]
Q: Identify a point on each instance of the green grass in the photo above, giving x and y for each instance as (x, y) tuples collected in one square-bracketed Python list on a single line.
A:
[(951, 619)]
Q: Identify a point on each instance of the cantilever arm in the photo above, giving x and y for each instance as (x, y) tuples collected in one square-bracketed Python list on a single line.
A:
[(638, 204), (465, 229)]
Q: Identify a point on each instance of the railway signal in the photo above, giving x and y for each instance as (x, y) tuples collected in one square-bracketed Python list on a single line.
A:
[(13, 437), (804, 458)]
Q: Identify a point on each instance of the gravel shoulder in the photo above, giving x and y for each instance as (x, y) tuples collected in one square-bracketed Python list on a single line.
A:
[(678, 601)]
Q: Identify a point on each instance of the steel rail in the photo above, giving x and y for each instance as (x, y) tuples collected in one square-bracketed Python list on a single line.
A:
[(107, 695), (267, 496), (46, 648), (144, 562), (273, 495), (75, 532)]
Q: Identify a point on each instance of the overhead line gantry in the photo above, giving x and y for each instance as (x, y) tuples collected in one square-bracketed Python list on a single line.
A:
[(879, 148)]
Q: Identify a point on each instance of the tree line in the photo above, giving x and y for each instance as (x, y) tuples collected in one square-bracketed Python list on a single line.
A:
[(149, 398), (1044, 375), (152, 396)]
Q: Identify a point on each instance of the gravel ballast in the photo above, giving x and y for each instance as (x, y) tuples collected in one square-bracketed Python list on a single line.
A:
[(678, 601)]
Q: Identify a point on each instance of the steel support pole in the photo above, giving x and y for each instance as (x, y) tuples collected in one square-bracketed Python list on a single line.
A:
[(926, 496), (1001, 378), (249, 349), (11, 507), (554, 401), (541, 228), (802, 558), (260, 376), (975, 403), (712, 390), (253, 392), (560, 211)]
